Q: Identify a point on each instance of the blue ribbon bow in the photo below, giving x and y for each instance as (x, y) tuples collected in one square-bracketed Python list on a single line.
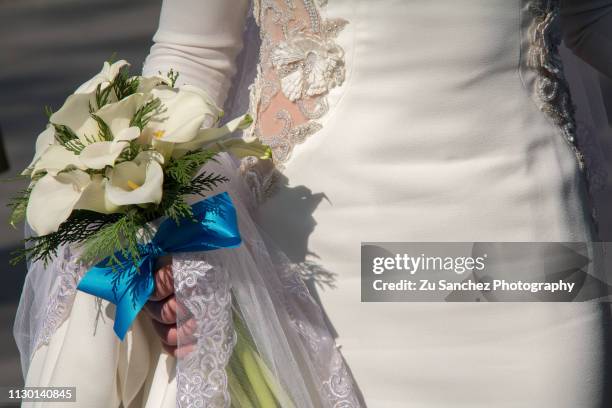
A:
[(129, 285)]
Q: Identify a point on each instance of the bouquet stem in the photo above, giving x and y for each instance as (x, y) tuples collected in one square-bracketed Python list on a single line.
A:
[(252, 384)]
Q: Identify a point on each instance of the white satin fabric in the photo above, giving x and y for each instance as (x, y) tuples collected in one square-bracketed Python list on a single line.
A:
[(85, 353), (433, 136)]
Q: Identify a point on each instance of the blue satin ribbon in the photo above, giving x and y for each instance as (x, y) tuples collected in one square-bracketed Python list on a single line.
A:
[(129, 285)]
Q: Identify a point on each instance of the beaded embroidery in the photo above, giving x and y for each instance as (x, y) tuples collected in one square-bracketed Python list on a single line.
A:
[(543, 56), (551, 87), (300, 62)]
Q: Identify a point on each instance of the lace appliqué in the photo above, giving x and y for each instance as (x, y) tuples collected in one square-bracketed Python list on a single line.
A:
[(205, 292), (339, 386), (300, 62), (543, 56), (551, 87)]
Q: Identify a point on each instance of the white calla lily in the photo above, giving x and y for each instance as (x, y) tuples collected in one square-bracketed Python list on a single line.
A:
[(166, 149), (94, 197), (213, 135), (103, 78), (136, 182), (204, 95), (146, 84), (43, 142), (76, 115), (184, 111), (53, 198), (98, 155), (128, 134), (57, 158), (210, 137), (241, 148), (118, 115)]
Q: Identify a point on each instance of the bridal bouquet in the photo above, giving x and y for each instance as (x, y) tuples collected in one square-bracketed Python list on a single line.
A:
[(124, 151), (120, 152), (111, 175)]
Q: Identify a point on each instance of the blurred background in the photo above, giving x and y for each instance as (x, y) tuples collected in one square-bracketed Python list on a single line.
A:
[(47, 49)]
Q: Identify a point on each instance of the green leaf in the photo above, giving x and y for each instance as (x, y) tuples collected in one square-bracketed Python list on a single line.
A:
[(124, 85), (120, 236), (184, 169), (48, 111), (102, 96), (146, 112), (68, 139), (111, 60), (172, 76), (18, 206), (78, 228), (104, 131)]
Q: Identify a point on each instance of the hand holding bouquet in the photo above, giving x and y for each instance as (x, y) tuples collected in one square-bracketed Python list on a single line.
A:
[(122, 152)]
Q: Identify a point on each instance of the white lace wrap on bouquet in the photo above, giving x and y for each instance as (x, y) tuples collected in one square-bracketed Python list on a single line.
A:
[(284, 321), (205, 293)]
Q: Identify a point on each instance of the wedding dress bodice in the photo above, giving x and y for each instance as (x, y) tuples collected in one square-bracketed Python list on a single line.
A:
[(431, 115)]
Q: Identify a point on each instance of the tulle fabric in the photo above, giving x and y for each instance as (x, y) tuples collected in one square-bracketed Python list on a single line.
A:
[(253, 298), (594, 134), (46, 299)]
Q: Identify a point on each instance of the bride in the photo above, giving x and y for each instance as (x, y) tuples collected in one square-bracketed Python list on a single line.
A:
[(388, 121)]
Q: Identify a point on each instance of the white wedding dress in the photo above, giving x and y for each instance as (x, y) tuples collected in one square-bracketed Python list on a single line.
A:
[(395, 120), (438, 134)]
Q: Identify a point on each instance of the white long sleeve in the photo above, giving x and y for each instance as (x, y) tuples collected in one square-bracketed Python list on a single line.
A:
[(200, 39)]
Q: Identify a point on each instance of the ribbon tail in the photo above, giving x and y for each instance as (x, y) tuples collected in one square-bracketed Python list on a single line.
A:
[(128, 287), (140, 288), (100, 281)]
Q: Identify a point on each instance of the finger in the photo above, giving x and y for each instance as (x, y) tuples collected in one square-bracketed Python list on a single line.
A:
[(164, 283), (163, 261), (166, 332), (179, 352), (169, 333), (170, 349), (167, 311)]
